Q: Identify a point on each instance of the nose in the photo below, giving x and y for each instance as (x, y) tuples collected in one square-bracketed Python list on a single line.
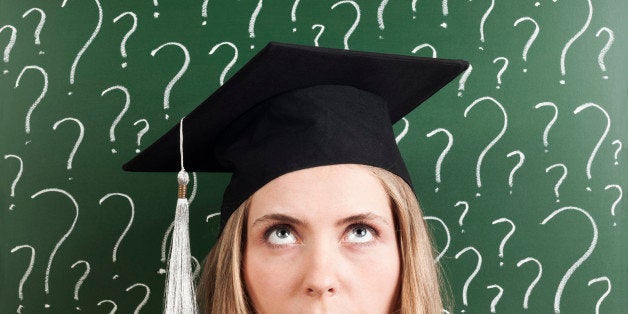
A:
[(321, 271)]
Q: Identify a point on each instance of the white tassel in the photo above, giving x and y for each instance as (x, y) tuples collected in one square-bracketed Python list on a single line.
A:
[(180, 295)]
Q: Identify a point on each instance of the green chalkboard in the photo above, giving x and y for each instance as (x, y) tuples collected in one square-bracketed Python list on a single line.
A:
[(518, 163)]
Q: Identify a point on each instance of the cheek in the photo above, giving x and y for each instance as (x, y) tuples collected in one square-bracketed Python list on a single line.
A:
[(378, 272), (267, 278)]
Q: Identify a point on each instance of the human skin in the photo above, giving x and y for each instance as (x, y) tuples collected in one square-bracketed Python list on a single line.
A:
[(311, 260)]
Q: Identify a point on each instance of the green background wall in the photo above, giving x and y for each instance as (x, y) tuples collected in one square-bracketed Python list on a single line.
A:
[(518, 236)]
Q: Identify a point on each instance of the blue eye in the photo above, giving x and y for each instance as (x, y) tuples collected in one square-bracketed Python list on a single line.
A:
[(281, 235), (361, 234)]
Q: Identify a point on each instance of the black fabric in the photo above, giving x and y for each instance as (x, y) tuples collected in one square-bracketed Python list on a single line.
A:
[(293, 107)]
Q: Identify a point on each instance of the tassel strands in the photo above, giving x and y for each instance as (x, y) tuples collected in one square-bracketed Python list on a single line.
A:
[(179, 293)]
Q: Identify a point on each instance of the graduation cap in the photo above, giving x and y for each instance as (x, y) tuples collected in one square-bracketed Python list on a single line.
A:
[(293, 107)]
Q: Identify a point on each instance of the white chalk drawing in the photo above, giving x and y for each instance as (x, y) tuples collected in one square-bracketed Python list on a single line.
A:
[(79, 283), (127, 35), (478, 266), (506, 237), (600, 57), (621, 193), (526, 48), (603, 296), (522, 158), (501, 71), (497, 297), (463, 79), (19, 173), (618, 143), (483, 21), (355, 23), (439, 162), (597, 146), (426, 45), (563, 53), (27, 124), (178, 75), (29, 269), (204, 11), (464, 212), (539, 274), (560, 180), (144, 300), (492, 143), (320, 32), (447, 234), (127, 104), (380, 13), (113, 309), (258, 8), (156, 13), (65, 235), (7, 50), (223, 74), (88, 43), (406, 127), (293, 13), (551, 123), (78, 140), (141, 132), (40, 24), (584, 257), (114, 254)]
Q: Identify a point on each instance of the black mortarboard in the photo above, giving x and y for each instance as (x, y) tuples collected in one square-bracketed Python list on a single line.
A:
[(293, 107)]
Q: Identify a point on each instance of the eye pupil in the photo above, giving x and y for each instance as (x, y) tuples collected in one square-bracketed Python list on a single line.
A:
[(360, 232), (282, 233)]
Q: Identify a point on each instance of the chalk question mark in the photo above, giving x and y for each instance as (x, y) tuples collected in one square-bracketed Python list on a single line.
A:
[(478, 266), (27, 124), (617, 200), (79, 283), (223, 74), (426, 45), (155, 4), (508, 235), (112, 134), (141, 132), (252, 20), (320, 32), (496, 299), (597, 146), (522, 159), (608, 291), (177, 76), (439, 162), (563, 53), (490, 145), (442, 253), (293, 13), (464, 212), (113, 309), (146, 296), (40, 25), (600, 57), (406, 127), (128, 34), (526, 298), (9, 47), (87, 44), (501, 71), (560, 181), (204, 11), (463, 80), (17, 178), (584, 257), (78, 141), (28, 271), (551, 123), (618, 142), (114, 254), (484, 17), (445, 9), (63, 238), (526, 48), (355, 23)]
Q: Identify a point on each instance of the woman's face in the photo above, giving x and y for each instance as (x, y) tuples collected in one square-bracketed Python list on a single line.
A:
[(322, 240)]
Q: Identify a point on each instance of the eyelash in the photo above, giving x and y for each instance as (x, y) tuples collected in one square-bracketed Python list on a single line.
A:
[(272, 228)]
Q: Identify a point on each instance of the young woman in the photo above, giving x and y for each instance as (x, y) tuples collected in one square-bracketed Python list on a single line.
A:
[(291, 248)]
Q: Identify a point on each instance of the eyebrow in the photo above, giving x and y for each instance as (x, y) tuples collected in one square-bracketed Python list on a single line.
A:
[(369, 216)]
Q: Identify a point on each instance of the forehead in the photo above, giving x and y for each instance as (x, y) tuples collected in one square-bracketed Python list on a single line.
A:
[(322, 194)]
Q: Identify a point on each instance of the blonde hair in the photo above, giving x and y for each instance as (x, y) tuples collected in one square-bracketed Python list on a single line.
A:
[(423, 289)]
